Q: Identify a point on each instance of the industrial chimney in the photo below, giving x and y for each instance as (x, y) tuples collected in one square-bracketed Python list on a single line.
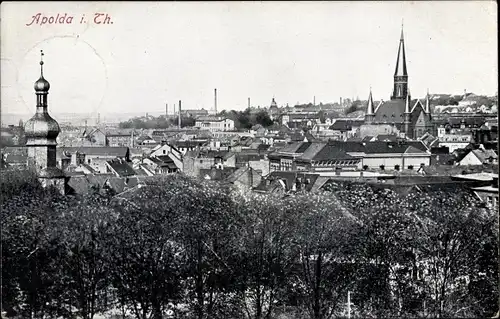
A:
[(179, 114), (215, 102), (248, 102), (166, 110)]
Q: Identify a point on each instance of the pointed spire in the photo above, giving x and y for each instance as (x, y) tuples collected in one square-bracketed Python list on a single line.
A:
[(427, 103), (369, 108), (41, 63), (401, 62)]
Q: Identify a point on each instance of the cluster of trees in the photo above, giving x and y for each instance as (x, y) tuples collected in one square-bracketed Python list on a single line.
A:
[(355, 106), (245, 120), (159, 122), (185, 248)]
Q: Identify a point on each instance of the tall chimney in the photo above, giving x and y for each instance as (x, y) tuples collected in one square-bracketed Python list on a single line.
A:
[(314, 100), (179, 114), (215, 102), (166, 110), (248, 102)]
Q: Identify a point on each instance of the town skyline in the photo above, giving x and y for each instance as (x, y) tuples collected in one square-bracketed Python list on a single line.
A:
[(98, 72)]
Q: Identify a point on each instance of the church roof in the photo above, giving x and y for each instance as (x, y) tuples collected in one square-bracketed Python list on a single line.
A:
[(393, 110)]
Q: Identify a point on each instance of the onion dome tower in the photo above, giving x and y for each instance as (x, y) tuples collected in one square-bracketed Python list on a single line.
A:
[(41, 132)]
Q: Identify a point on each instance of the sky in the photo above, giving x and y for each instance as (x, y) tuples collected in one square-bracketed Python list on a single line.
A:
[(154, 53)]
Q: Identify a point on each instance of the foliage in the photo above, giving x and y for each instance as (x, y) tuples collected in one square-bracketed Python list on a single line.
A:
[(245, 120), (355, 106), (200, 249), (160, 122)]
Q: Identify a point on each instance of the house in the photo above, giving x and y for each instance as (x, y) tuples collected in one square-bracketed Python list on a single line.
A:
[(196, 160), (479, 157), (93, 137), (245, 178), (340, 155), (455, 141), (120, 138), (120, 168), (214, 123), (343, 129), (163, 164), (96, 156), (188, 145), (489, 193)]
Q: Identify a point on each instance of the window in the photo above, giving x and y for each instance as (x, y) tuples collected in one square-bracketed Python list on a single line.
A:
[(164, 152), (396, 167), (88, 160), (382, 167), (410, 166)]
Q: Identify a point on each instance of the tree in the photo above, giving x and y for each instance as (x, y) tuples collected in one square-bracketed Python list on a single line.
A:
[(355, 106), (268, 253), (143, 253), (325, 258)]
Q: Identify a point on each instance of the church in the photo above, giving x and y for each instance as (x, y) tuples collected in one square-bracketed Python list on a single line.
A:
[(402, 115), (41, 133)]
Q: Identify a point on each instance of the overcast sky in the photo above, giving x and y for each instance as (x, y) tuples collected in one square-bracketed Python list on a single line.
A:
[(157, 53)]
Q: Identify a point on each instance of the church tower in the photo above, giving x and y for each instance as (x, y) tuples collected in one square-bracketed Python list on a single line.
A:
[(400, 75), (41, 132), (370, 112)]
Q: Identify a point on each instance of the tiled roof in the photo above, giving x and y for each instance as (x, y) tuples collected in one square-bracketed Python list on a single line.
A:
[(121, 168), (393, 111), (484, 155), (345, 124), (95, 151), (387, 137)]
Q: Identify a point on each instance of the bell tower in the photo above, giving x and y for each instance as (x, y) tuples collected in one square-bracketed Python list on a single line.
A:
[(41, 133)]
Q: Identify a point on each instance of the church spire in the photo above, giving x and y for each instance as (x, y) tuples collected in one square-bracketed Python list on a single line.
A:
[(369, 108), (400, 73)]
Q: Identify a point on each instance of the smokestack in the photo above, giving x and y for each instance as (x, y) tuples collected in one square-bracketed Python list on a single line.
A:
[(215, 102), (166, 110), (248, 102), (179, 114), (314, 100), (98, 118)]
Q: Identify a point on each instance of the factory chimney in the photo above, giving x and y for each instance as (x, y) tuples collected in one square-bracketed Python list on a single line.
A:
[(248, 102), (179, 114), (166, 110), (215, 102)]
